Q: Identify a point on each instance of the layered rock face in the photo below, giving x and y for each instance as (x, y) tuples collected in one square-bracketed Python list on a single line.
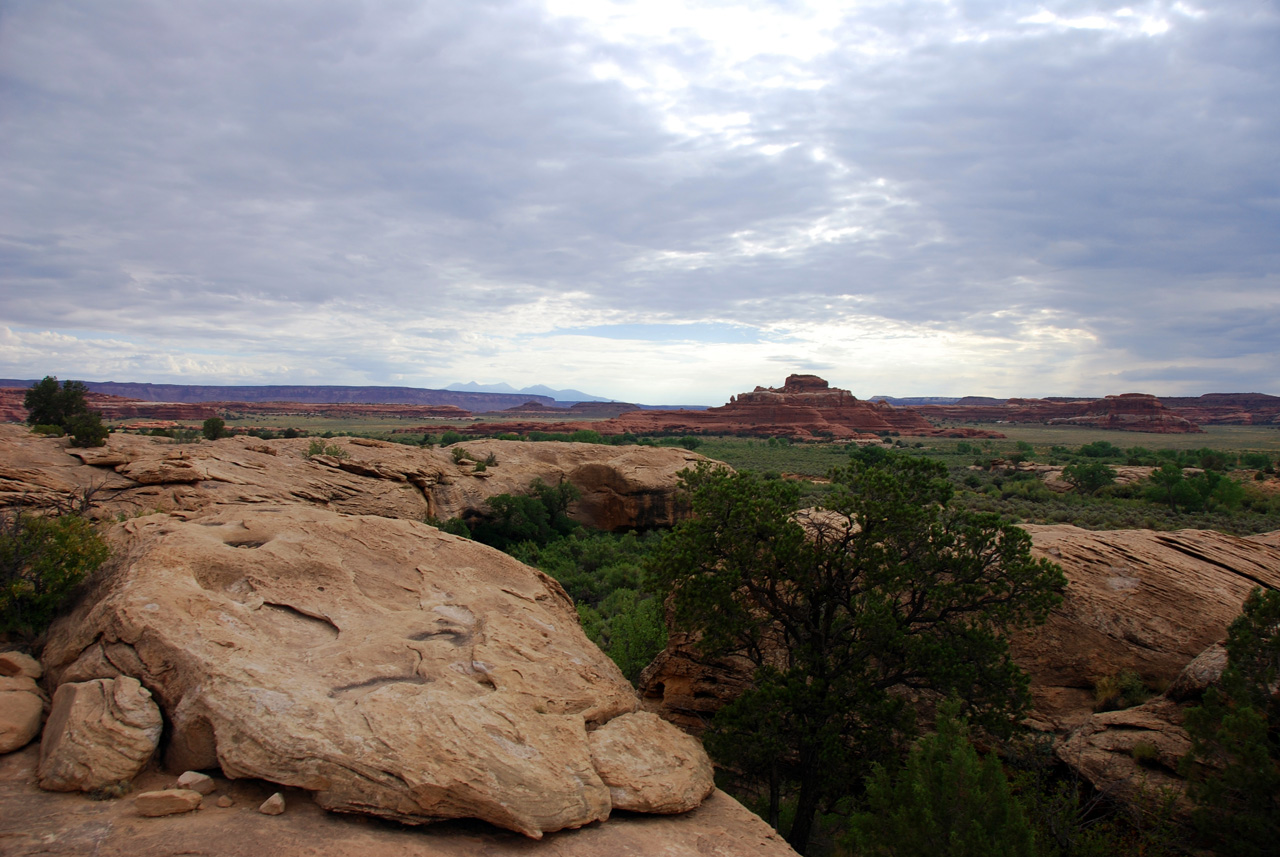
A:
[(1136, 600), (380, 664), (1127, 412), (622, 487), (805, 406), (1227, 408)]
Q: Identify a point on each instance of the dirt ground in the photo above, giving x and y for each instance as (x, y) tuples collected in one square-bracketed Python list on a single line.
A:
[(35, 822)]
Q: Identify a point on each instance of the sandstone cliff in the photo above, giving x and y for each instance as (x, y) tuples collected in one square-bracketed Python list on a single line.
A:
[(804, 407), (1128, 412)]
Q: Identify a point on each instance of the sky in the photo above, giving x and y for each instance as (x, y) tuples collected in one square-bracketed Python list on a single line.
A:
[(660, 201)]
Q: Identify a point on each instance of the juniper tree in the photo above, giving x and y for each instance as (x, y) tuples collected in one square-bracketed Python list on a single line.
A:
[(885, 591)]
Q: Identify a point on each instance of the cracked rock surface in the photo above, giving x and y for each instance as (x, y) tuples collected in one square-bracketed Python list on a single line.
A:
[(382, 665)]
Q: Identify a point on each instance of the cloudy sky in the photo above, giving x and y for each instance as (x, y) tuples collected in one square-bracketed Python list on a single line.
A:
[(664, 201)]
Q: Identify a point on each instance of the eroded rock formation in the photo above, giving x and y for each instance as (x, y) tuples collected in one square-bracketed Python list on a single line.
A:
[(622, 487), (1127, 412), (383, 666), (805, 406)]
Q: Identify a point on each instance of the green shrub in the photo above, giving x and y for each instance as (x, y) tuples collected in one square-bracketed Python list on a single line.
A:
[(42, 559), (214, 428), (318, 447), (87, 430), (1124, 689), (945, 802), (48, 431), (1145, 753), (450, 437)]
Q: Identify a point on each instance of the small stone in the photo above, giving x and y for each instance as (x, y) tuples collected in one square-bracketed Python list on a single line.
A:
[(273, 805), (166, 802), (16, 663), (225, 802), (197, 782)]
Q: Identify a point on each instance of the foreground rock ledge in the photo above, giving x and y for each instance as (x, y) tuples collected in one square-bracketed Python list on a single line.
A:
[(382, 665), (53, 824)]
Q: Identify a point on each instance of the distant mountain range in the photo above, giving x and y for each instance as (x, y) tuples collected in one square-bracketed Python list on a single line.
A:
[(564, 396), (321, 394)]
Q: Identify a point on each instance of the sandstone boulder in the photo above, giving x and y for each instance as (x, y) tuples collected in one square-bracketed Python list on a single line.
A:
[(384, 666), (19, 664), (650, 765), (21, 710), (197, 782), (99, 733)]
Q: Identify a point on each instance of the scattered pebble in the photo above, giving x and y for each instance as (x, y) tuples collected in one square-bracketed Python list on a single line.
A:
[(166, 802), (273, 805), (197, 782)]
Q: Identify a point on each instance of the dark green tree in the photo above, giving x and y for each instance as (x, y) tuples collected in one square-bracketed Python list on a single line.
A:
[(945, 802), (49, 404), (1088, 476), (539, 516), (86, 429), (214, 428), (886, 589), (1234, 763)]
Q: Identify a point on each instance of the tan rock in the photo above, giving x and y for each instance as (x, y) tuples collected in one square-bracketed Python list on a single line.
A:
[(1137, 600), (622, 487), (166, 802), (1133, 754), (273, 805), (19, 664), (225, 802), (197, 782), (381, 664), (20, 715), (1199, 675), (99, 733), (650, 765), (161, 472)]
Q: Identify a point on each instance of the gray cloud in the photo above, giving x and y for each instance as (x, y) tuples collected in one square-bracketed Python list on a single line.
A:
[(398, 192)]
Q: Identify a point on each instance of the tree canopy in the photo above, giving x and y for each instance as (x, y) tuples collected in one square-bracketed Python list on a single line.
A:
[(49, 404), (1234, 763), (67, 407), (846, 610)]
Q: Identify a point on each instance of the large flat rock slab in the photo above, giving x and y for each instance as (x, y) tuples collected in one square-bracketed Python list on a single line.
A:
[(382, 665)]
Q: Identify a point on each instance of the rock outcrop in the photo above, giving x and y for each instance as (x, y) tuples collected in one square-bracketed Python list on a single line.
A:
[(100, 733), (804, 407), (1126, 412), (623, 487), (382, 665)]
